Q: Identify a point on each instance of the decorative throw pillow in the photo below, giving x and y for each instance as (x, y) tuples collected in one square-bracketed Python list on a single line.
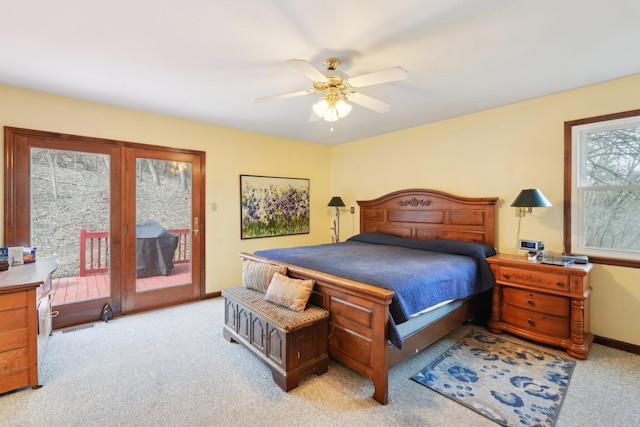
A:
[(290, 293), (257, 275)]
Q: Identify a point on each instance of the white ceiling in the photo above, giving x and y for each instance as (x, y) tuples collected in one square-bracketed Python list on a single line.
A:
[(208, 60)]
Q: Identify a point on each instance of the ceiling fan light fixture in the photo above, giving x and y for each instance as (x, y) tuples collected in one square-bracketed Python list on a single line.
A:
[(339, 91), (343, 108), (331, 116), (322, 107), (331, 108)]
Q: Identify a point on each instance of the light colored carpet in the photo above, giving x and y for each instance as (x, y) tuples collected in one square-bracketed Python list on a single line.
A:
[(172, 367)]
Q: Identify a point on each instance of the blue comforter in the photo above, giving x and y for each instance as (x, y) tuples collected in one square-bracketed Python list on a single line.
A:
[(422, 273)]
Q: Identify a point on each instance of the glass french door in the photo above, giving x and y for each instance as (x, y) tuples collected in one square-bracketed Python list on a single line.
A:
[(122, 222), (74, 220), (163, 230)]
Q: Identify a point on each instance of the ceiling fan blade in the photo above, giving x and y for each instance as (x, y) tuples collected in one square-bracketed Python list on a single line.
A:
[(368, 102), (383, 76), (308, 70), (286, 95)]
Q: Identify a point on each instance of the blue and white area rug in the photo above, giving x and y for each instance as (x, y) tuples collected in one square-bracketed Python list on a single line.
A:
[(509, 383)]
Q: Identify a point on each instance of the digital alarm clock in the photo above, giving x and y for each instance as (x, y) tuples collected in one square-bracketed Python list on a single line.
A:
[(530, 245)]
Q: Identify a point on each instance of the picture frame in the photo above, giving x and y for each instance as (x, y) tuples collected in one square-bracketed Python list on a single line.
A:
[(273, 206)]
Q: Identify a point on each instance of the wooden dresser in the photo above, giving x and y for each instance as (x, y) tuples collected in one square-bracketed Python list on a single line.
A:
[(25, 322), (541, 302)]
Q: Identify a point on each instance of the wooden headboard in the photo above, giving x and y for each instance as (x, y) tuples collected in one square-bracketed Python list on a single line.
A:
[(430, 214)]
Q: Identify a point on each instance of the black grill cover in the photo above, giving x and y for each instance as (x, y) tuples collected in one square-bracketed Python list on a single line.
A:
[(155, 247)]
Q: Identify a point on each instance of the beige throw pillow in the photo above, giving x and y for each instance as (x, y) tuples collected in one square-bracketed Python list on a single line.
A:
[(290, 293)]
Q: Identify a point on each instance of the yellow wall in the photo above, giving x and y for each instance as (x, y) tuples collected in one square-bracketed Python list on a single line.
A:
[(498, 153), (229, 153), (492, 153)]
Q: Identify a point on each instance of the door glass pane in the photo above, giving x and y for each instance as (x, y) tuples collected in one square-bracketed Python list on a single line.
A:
[(70, 220), (163, 224)]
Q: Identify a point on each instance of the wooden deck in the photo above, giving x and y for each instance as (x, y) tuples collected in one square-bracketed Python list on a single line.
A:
[(81, 288)]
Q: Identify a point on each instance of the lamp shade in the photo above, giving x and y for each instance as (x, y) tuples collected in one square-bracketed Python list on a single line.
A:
[(531, 198), (321, 108), (342, 108), (336, 201)]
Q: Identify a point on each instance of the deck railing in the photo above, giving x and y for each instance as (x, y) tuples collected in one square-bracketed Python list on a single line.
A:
[(182, 253), (94, 250)]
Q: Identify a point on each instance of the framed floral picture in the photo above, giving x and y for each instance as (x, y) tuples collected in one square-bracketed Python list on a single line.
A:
[(273, 206)]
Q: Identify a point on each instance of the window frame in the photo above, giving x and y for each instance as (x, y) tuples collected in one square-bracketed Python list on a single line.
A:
[(570, 177)]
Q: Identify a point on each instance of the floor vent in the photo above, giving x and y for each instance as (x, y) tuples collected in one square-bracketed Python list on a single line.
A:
[(77, 328)]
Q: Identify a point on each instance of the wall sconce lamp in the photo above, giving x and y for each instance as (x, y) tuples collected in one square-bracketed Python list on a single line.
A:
[(336, 202), (529, 199)]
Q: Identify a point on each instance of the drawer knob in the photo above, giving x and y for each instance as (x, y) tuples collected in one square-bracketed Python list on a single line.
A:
[(531, 322), (559, 283), (505, 275), (531, 302)]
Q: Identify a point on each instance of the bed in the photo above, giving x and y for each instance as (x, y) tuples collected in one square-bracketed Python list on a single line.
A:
[(373, 326)]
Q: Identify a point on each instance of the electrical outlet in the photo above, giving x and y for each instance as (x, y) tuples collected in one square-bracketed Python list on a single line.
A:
[(353, 210)]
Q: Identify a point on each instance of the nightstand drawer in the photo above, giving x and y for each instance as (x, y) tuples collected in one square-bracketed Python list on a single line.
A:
[(542, 303), (537, 322), (558, 282)]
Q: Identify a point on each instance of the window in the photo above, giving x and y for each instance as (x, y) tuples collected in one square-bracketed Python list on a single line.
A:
[(602, 188)]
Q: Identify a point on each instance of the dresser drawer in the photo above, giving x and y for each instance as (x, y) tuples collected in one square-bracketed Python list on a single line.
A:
[(535, 301), (537, 322), (14, 360), (11, 320), (558, 282), (14, 379), (14, 339), (13, 300)]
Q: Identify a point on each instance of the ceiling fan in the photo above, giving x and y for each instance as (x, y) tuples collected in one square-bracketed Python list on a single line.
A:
[(337, 88)]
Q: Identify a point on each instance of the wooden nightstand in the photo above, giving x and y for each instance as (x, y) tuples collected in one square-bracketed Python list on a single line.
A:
[(542, 302)]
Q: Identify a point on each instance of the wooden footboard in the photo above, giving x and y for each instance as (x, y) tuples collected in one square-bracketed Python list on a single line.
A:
[(358, 323)]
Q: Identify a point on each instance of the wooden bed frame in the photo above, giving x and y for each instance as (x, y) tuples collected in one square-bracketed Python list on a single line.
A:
[(359, 313)]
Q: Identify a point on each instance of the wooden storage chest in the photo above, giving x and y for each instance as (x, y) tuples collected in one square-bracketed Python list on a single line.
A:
[(292, 344)]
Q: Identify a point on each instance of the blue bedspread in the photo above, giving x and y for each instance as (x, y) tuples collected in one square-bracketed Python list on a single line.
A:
[(422, 273)]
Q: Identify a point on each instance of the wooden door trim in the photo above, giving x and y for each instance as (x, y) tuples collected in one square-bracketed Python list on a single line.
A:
[(17, 233)]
